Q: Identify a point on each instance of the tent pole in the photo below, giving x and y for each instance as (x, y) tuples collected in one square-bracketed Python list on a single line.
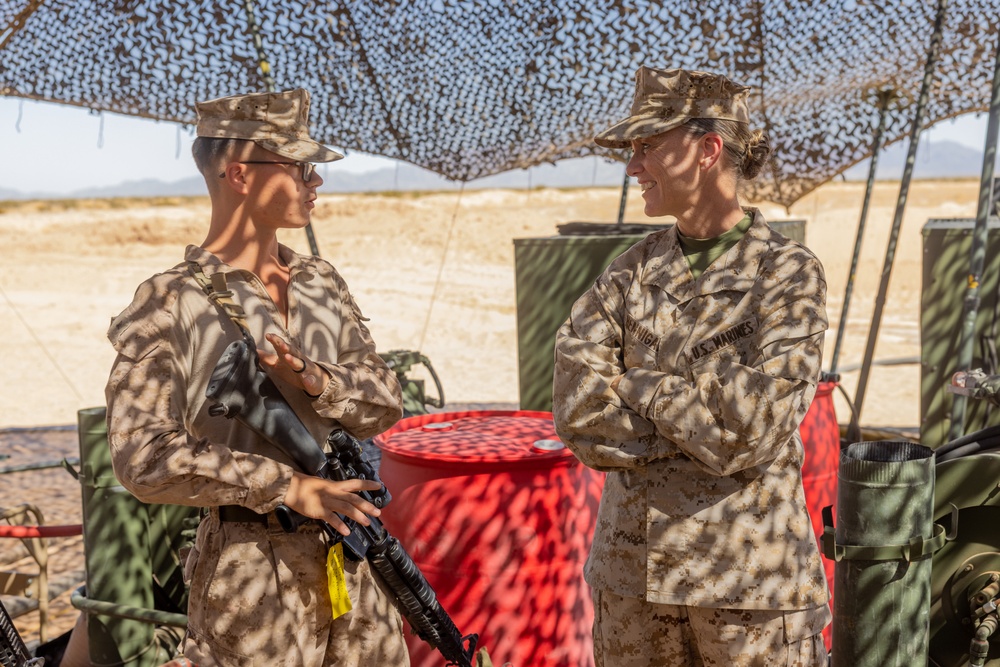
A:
[(258, 43), (269, 86), (884, 98), (621, 204), (904, 187), (970, 305)]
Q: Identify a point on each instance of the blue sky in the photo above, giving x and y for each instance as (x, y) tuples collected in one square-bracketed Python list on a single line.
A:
[(59, 149)]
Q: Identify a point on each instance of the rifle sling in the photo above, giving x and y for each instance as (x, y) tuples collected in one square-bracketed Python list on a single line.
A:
[(217, 292)]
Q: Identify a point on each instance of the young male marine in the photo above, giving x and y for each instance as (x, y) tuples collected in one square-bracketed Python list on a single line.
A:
[(257, 594)]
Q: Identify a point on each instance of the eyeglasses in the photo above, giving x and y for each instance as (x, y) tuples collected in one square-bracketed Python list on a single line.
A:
[(308, 168)]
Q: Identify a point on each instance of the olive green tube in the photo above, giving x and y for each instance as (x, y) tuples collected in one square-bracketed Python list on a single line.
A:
[(885, 537), (116, 553)]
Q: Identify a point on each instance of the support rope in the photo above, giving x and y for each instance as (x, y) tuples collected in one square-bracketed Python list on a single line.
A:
[(38, 340), (444, 257)]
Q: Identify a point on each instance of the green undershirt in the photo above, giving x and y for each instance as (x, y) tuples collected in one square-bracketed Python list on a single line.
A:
[(700, 253)]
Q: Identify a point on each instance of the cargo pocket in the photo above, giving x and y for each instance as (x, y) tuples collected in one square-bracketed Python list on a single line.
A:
[(803, 624), (598, 636), (803, 639), (202, 651), (190, 559)]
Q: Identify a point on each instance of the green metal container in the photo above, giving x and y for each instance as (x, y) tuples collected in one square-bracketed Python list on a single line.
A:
[(947, 247), (884, 540), (131, 556), (550, 275)]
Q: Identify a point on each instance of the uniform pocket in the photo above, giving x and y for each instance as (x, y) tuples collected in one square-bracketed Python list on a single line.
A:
[(190, 559), (203, 651), (598, 636), (804, 645), (806, 623), (639, 344)]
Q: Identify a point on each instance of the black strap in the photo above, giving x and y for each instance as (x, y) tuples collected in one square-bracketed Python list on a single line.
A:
[(240, 514)]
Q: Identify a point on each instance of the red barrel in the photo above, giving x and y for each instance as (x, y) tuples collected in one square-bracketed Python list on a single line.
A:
[(821, 441), (499, 515)]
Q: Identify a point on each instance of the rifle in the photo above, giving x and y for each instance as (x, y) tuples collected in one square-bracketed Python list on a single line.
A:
[(239, 389), (13, 652)]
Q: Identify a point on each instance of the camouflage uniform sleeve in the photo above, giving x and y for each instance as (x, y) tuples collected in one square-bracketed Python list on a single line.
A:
[(591, 419), (153, 455), (735, 416), (363, 393)]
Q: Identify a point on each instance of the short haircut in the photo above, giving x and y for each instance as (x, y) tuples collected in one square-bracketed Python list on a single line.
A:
[(209, 153)]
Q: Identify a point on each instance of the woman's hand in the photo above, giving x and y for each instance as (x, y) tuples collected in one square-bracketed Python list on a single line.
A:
[(324, 499), (293, 367)]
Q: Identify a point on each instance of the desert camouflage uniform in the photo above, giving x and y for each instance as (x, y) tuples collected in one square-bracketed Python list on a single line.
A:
[(629, 632), (258, 595), (689, 393)]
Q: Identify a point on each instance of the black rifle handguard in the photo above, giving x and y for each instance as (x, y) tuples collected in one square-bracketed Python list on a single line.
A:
[(240, 390)]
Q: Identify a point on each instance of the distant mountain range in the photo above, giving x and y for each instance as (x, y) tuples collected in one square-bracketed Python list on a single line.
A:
[(935, 159), (940, 159), (579, 172)]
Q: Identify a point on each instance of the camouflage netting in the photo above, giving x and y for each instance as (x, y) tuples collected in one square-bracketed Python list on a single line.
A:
[(476, 87)]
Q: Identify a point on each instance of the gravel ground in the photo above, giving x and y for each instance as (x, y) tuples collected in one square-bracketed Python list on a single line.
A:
[(57, 495)]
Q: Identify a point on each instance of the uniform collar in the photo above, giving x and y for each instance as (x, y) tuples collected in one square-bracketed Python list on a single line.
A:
[(735, 270), (211, 264)]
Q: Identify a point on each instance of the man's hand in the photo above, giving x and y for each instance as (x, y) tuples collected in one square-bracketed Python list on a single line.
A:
[(324, 499), (292, 366)]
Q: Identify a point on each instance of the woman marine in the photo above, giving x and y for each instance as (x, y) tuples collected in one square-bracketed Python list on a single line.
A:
[(684, 373)]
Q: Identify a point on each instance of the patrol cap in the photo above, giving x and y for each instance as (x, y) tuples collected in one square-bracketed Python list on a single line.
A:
[(667, 98), (278, 122)]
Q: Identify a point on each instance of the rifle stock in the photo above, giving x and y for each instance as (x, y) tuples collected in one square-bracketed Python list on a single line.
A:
[(240, 390)]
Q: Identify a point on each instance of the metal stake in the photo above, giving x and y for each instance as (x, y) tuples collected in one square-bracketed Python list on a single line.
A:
[(621, 204), (904, 188), (884, 98), (977, 257)]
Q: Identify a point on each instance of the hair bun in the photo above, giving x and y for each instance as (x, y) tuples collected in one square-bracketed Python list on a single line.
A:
[(755, 155)]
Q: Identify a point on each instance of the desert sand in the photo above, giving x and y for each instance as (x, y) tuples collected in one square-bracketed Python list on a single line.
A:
[(434, 272)]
